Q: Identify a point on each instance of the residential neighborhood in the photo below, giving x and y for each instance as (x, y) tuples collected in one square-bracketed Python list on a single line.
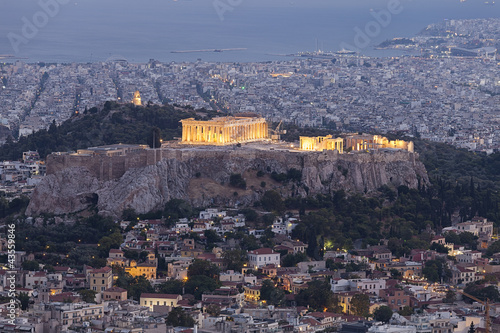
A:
[(195, 276)]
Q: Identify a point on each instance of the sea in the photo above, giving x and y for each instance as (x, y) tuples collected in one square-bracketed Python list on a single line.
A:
[(66, 31)]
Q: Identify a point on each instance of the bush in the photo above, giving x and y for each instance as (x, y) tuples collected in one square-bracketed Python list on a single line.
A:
[(236, 180)]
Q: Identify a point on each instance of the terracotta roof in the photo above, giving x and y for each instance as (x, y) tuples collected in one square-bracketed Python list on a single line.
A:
[(167, 296), (264, 250), (116, 289), (105, 269)]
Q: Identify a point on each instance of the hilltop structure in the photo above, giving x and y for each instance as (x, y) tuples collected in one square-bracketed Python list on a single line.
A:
[(355, 142), (137, 99), (224, 130), (319, 143)]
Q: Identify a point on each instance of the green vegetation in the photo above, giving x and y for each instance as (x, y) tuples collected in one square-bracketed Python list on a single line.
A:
[(271, 201), (479, 290), (84, 242), (15, 206), (179, 317), (435, 270), (87, 295), (291, 260), (383, 313), (135, 286), (360, 305), (199, 284), (171, 287), (234, 259), (203, 267), (318, 296), (271, 294), (113, 124), (236, 180)]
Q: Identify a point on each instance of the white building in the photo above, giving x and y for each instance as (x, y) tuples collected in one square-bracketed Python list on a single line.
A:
[(468, 257), (262, 257), (282, 227), (231, 276), (392, 329), (211, 213), (368, 285)]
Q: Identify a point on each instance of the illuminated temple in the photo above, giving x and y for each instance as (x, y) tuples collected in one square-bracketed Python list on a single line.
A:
[(319, 143), (355, 142), (224, 130), (137, 99)]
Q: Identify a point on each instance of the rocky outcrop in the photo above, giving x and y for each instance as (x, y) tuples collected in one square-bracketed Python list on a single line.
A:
[(201, 176)]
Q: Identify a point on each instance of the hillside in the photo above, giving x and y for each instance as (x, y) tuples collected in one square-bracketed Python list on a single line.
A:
[(114, 123), (203, 177), (463, 183)]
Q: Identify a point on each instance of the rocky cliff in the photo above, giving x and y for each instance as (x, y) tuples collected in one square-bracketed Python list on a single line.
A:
[(201, 175)]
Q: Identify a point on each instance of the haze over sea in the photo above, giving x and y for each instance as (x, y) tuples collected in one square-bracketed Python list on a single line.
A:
[(95, 30)]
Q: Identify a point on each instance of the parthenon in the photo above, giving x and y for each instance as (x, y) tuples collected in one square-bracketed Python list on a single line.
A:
[(224, 130)]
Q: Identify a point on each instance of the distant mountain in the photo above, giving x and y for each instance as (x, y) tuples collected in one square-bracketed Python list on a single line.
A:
[(114, 123)]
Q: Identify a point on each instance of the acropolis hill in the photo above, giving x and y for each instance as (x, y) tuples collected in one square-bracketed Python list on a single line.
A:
[(131, 176)]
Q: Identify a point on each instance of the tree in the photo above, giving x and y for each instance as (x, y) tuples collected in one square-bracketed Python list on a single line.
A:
[(435, 270), (271, 201), (176, 209), (213, 310), (135, 285), (271, 294), (406, 311), (472, 329), (87, 295), (291, 260), (450, 297), (211, 237), (318, 296), (250, 214), (30, 265), (493, 248), (440, 248), (478, 290), (198, 284), (469, 239), (203, 267), (24, 299), (112, 241), (383, 313), (360, 305), (154, 140), (171, 287), (178, 317), (234, 259), (236, 180)]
